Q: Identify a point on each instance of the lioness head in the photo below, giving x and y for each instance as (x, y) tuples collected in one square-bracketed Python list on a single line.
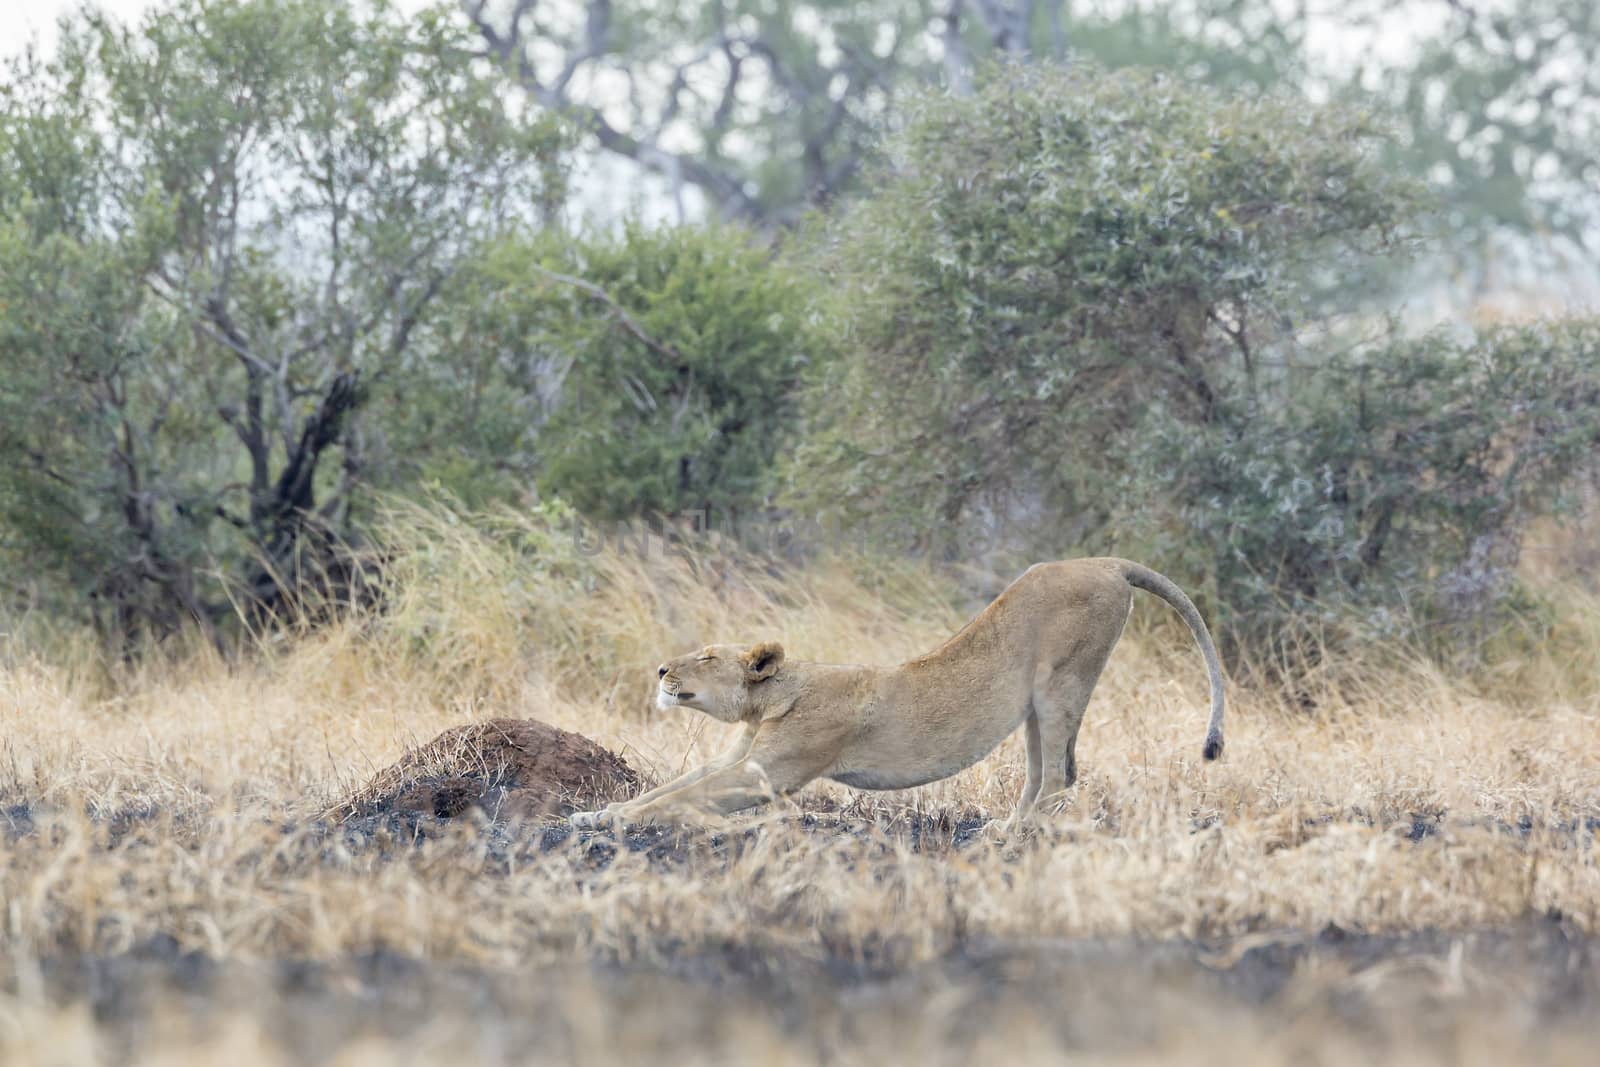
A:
[(717, 679)]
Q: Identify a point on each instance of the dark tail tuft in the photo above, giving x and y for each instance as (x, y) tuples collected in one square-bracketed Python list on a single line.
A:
[(1213, 747)]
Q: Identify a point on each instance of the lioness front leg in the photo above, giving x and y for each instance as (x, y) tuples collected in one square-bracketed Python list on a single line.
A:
[(768, 770), (594, 820), (608, 815), (720, 792)]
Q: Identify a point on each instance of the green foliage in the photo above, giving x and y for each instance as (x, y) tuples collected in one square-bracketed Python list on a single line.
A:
[(763, 105), (1087, 305), (259, 257), (768, 107), (697, 422), (649, 372), (1230, 44), (224, 231), (1051, 255), (1394, 480)]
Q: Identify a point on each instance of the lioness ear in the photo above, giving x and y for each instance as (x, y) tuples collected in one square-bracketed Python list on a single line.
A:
[(762, 660)]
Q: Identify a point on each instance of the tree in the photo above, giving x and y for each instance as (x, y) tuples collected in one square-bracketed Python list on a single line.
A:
[(761, 107), (225, 232), (689, 413), (768, 107), (648, 372), (1045, 259)]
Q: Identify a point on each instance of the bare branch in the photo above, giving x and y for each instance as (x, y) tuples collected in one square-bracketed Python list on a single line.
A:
[(625, 320), (723, 185), (597, 35), (730, 93), (1007, 22), (41, 463), (957, 64)]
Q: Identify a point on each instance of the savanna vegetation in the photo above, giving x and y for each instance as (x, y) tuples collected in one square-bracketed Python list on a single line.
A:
[(333, 412)]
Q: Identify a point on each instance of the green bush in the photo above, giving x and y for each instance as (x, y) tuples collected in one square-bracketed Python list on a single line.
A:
[(1386, 492), (227, 318), (649, 372), (1047, 258), (223, 236)]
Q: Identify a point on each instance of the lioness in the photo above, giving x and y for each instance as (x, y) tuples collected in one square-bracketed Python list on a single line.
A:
[(1032, 658)]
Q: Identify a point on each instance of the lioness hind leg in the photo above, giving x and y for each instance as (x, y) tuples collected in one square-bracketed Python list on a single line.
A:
[(1059, 706), (1035, 768)]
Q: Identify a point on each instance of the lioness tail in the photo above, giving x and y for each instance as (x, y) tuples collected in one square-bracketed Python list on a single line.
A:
[(1141, 577)]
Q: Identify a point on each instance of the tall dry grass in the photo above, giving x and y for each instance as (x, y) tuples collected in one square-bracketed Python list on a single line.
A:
[(175, 798)]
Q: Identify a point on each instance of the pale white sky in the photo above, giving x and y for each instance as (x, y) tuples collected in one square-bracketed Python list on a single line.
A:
[(19, 18)]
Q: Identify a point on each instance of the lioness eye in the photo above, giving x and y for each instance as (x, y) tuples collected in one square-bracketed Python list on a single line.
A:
[(703, 659)]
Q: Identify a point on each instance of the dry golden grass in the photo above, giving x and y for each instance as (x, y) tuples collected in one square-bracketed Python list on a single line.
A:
[(177, 800)]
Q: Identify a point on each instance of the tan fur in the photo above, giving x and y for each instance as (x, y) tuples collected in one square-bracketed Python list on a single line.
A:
[(1031, 658)]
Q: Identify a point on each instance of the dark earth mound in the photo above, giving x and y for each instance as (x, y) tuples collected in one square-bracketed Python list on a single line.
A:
[(511, 769)]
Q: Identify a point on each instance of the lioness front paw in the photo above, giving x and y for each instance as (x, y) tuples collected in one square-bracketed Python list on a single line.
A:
[(592, 820)]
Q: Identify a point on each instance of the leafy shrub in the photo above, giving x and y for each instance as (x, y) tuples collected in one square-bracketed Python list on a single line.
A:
[(1092, 307), (1395, 481), (653, 371), (1048, 257)]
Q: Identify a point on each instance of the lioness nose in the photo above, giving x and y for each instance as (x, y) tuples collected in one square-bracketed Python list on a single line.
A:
[(661, 671)]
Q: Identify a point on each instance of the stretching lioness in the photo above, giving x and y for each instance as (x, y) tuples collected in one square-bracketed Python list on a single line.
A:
[(1032, 657)]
